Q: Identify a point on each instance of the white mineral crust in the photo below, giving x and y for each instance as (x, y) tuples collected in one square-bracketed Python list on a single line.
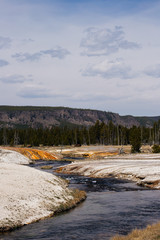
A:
[(142, 168), (27, 194)]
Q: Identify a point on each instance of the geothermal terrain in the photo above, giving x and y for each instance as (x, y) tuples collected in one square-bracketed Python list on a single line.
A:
[(27, 194)]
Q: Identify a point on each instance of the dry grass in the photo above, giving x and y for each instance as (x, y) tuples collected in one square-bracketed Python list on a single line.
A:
[(151, 232), (93, 151), (47, 167), (78, 196)]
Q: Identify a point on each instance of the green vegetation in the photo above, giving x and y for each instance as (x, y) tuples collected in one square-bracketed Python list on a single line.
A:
[(147, 121), (156, 148), (135, 139), (8, 108), (99, 133), (87, 114)]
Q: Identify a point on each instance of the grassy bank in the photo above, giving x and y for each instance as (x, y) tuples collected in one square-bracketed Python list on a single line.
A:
[(78, 196), (151, 232)]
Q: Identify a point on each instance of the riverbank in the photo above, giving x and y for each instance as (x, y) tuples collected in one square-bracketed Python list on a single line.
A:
[(28, 195), (144, 169), (151, 232), (106, 213)]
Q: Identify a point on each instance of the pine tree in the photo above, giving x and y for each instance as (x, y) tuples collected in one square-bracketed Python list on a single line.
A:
[(135, 139)]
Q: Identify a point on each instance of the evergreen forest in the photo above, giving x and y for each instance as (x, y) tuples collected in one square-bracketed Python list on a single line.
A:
[(99, 133)]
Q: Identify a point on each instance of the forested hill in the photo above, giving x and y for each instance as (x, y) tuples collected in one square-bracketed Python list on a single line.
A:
[(29, 116)]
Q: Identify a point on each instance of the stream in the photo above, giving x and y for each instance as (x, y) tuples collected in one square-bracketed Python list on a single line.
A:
[(113, 206)]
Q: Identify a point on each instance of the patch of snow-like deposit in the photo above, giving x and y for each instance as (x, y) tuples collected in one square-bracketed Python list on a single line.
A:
[(8, 156), (144, 169), (27, 195)]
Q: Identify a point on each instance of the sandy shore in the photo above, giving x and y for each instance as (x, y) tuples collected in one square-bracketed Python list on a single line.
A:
[(142, 168), (28, 195)]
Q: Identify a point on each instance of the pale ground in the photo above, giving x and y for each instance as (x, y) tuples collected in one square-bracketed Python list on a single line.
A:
[(142, 168), (93, 151), (27, 194), (8, 156), (26, 200)]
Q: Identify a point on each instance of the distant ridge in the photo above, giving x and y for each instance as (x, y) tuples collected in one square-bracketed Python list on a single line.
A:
[(37, 116)]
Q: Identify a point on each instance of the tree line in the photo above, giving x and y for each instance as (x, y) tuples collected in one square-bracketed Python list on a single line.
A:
[(99, 133)]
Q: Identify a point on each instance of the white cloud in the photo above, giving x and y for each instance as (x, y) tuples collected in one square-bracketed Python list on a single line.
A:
[(105, 41), (57, 52), (3, 63), (97, 97), (153, 71), (110, 69), (22, 57), (33, 92), (33, 29), (5, 42), (27, 40), (13, 79)]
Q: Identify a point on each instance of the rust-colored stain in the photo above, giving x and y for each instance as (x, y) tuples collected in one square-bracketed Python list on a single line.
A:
[(34, 154), (59, 170), (103, 154)]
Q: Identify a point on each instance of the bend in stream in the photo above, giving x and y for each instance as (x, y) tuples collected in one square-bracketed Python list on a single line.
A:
[(113, 206)]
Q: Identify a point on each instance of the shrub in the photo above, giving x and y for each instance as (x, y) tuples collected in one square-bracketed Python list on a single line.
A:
[(135, 139), (156, 148)]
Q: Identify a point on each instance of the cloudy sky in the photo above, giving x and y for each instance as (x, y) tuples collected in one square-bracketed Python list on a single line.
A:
[(97, 54)]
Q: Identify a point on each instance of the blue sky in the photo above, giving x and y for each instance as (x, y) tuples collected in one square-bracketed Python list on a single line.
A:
[(97, 54)]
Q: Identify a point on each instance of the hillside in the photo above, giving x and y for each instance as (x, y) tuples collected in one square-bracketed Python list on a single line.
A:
[(29, 116)]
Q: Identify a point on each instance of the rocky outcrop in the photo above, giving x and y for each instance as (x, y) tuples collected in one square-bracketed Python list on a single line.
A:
[(49, 116)]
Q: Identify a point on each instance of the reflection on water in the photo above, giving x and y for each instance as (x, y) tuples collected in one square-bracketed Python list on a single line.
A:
[(112, 206)]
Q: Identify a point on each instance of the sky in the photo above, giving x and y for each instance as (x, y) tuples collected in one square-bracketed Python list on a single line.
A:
[(91, 54)]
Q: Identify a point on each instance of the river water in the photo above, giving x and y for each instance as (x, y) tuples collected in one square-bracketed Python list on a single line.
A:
[(112, 207)]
